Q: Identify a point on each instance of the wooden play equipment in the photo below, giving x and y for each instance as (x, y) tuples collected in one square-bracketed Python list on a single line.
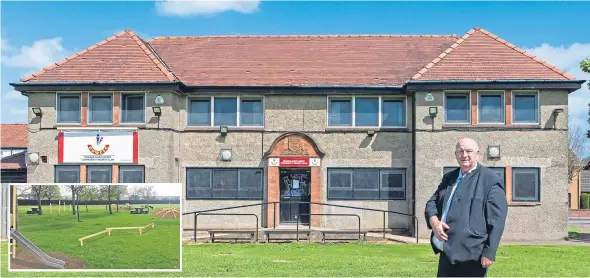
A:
[(109, 230), (165, 211)]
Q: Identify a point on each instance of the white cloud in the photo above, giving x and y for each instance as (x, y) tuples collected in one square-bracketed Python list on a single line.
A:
[(14, 95), (40, 54), (208, 7), (568, 59), (4, 46)]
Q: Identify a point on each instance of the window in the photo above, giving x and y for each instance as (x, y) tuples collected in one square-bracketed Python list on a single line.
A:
[(99, 174), (100, 108), (457, 108), (69, 108), (67, 173), (525, 108), (225, 111), (491, 107), (525, 184), (366, 184), (366, 112), (224, 183), (131, 174), (132, 108)]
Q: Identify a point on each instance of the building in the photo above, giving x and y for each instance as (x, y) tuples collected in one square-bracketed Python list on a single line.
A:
[(579, 184), (355, 120), (13, 145)]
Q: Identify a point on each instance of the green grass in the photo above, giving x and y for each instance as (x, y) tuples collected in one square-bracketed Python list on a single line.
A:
[(353, 260), (157, 248)]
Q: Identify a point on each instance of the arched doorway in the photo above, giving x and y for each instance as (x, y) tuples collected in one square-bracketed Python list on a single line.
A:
[(294, 175)]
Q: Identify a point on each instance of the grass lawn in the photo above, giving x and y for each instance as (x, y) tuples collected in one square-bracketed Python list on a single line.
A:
[(303, 259), (157, 248)]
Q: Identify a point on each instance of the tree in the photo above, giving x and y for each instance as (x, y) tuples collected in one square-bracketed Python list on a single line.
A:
[(576, 149), (585, 65), (39, 191), (88, 194), (135, 193), (72, 189), (147, 192), (76, 190), (118, 192), (52, 193), (108, 193)]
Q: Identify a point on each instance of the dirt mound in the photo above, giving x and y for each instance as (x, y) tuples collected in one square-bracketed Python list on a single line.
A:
[(25, 259), (167, 213)]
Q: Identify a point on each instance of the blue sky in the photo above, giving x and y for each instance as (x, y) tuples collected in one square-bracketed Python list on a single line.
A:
[(36, 34)]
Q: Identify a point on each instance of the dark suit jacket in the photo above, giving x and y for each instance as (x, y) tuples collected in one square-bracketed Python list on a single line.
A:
[(476, 217)]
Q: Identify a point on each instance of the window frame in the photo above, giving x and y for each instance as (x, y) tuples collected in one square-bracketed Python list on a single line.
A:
[(502, 94), (69, 166), (130, 165), (89, 166), (57, 106), (537, 95), (211, 100), (380, 171), (89, 105), (121, 111), (538, 185), (212, 169), (380, 99), (469, 102)]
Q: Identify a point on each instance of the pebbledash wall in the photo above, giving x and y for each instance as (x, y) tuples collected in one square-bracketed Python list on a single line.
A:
[(167, 147)]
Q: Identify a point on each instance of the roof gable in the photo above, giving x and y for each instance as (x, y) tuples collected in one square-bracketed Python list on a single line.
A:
[(481, 55), (13, 162), (124, 57)]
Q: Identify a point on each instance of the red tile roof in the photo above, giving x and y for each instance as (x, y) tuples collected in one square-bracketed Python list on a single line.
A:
[(123, 57), (16, 161), (481, 55), (370, 60), (13, 135)]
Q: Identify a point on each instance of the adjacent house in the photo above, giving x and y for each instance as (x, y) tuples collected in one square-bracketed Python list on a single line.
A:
[(343, 121), (13, 145)]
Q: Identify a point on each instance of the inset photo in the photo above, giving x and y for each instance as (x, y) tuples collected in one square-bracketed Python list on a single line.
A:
[(92, 227)]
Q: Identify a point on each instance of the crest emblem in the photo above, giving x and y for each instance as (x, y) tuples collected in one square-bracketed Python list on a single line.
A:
[(98, 150)]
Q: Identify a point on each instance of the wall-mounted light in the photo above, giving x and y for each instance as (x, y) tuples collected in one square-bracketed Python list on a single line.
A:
[(370, 133), (159, 100), (34, 158), (37, 111), (223, 130), (433, 111), (225, 154), (494, 151), (157, 111), (558, 111)]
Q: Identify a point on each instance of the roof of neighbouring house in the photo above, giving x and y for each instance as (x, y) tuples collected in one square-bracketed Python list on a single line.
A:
[(13, 162), (13, 135), (315, 60)]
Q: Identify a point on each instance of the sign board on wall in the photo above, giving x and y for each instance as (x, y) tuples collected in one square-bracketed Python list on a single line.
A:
[(294, 161), (98, 147)]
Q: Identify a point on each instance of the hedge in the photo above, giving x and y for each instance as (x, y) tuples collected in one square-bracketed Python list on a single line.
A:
[(585, 201)]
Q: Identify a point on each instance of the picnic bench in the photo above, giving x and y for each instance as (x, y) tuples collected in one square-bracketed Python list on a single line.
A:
[(268, 232), (250, 232), (341, 232), (33, 211)]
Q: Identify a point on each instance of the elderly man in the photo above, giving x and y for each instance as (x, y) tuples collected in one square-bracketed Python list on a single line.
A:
[(467, 215)]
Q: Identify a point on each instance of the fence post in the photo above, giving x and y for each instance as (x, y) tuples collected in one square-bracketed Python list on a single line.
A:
[(195, 226), (383, 224)]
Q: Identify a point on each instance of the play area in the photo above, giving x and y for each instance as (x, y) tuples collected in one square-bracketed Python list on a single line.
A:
[(55, 239)]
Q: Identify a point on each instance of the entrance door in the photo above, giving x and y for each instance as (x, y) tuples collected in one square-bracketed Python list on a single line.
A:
[(295, 186)]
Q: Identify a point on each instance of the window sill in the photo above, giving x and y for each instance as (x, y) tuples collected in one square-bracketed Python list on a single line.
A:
[(524, 204), (365, 129), (216, 129), (482, 126)]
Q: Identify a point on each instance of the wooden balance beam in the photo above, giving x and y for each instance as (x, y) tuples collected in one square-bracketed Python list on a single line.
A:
[(108, 230)]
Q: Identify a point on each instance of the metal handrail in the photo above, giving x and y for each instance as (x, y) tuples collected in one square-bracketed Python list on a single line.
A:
[(230, 214), (415, 218), (334, 214)]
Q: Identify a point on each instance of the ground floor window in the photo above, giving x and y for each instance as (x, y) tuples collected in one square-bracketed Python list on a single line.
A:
[(526, 184), (224, 183), (366, 184), (99, 174), (67, 174), (131, 174)]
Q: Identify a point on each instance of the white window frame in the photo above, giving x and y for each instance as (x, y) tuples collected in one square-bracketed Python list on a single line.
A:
[(455, 92), (57, 96), (380, 100), (527, 92), (89, 105), (145, 116), (392, 171), (212, 112), (502, 94)]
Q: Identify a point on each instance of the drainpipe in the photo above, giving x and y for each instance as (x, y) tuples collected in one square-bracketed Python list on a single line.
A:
[(414, 162)]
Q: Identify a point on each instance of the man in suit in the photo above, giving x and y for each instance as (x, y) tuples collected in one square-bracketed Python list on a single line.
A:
[(467, 215)]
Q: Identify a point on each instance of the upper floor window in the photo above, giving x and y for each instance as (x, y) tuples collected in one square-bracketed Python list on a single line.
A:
[(226, 111), (456, 107), (100, 108), (132, 108), (525, 107), (491, 107), (69, 108), (366, 112)]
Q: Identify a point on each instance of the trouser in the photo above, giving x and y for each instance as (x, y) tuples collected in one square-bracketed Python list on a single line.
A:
[(464, 269)]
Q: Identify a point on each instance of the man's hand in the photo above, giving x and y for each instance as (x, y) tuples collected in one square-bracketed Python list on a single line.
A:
[(485, 262), (439, 227)]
